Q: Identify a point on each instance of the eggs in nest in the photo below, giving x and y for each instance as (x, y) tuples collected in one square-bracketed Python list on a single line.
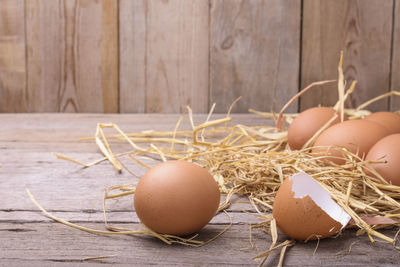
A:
[(356, 136), (390, 120), (307, 123)]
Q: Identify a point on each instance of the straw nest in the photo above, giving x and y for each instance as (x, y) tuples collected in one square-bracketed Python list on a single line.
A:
[(252, 161)]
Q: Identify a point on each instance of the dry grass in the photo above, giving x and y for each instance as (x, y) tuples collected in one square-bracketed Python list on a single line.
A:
[(253, 161)]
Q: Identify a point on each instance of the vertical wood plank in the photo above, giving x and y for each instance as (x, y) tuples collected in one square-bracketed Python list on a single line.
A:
[(362, 29), (132, 29), (45, 54), (12, 56), (395, 73), (254, 53), (177, 50), (72, 55), (109, 55)]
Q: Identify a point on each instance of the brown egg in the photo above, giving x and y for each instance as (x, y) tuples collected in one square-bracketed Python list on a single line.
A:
[(388, 119), (354, 135), (304, 210), (307, 123), (388, 150), (177, 198)]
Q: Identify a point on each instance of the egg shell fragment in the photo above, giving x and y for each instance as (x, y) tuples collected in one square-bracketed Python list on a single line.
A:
[(307, 123), (357, 136), (387, 119), (176, 198), (387, 150), (304, 210)]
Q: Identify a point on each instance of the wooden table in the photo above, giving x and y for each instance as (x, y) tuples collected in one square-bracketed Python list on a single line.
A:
[(28, 238)]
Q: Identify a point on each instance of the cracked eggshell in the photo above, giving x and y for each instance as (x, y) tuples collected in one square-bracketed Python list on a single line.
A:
[(304, 210)]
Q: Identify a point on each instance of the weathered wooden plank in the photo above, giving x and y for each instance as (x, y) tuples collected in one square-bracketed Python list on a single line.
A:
[(126, 215), (254, 53), (71, 127), (177, 50), (362, 29), (28, 142), (12, 57), (22, 244), (63, 186), (69, 245), (108, 56), (395, 77), (72, 56), (45, 55), (132, 47), (74, 193)]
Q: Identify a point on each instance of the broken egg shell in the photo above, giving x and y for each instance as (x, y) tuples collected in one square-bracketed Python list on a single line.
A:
[(176, 198), (304, 210)]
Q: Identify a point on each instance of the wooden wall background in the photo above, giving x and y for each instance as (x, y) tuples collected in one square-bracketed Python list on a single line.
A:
[(161, 55)]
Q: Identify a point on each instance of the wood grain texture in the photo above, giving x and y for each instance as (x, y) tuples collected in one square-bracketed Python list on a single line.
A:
[(39, 125), (109, 56), (72, 55), (12, 56), (27, 237), (395, 72), (45, 55), (177, 50), (162, 55), (132, 46), (362, 29), (254, 53), (70, 247)]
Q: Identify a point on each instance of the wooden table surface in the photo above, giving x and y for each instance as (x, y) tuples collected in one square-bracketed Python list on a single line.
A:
[(28, 238)]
